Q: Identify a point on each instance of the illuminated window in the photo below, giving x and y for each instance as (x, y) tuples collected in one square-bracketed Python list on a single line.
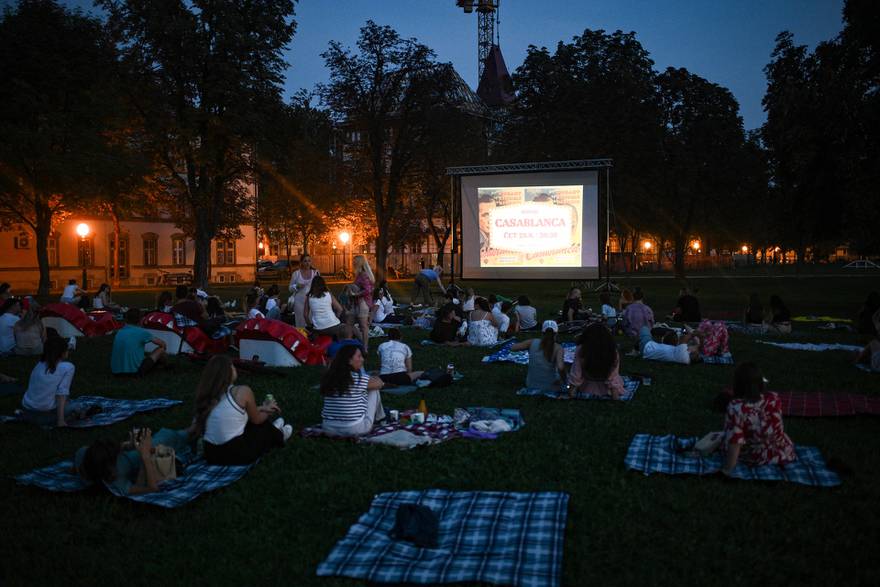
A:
[(123, 256), (52, 249), (225, 252), (151, 250), (178, 250)]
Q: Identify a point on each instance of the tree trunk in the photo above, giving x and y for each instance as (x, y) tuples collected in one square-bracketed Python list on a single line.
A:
[(678, 264), (381, 254), (202, 260), (305, 241), (116, 235), (43, 227)]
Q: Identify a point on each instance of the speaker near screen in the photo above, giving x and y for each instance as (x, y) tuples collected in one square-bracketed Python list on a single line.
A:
[(530, 225)]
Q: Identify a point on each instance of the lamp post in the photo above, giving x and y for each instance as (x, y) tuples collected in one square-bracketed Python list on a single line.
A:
[(345, 237), (82, 229), (334, 258)]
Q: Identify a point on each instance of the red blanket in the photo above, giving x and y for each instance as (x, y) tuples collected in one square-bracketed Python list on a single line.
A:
[(93, 324), (296, 343), (819, 404), (194, 336)]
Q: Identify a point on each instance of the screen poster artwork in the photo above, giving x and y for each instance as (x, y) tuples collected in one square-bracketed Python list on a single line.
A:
[(534, 226)]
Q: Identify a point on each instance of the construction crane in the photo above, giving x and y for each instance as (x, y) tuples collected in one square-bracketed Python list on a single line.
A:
[(487, 16)]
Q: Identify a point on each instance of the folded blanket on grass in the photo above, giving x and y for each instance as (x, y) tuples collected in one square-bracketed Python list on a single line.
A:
[(198, 477), (630, 385), (866, 368), (723, 359), (505, 355), (671, 455), (818, 404), (486, 537), (112, 410), (12, 388), (805, 346)]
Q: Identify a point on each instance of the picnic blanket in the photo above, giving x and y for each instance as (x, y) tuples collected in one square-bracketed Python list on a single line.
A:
[(405, 389), (11, 388), (494, 537), (505, 355), (630, 385), (819, 319), (723, 359), (806, 346), (675, 456), (819, 404), (198, 477), (112, 410), (503, 341), (866, 368), (440, 430)]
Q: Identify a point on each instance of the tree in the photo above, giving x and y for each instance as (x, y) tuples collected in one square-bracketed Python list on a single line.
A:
[(203, 77), (379, 95), (56, 104)]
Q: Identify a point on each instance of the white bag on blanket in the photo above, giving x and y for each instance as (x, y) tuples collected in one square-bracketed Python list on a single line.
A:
[(402, 439)]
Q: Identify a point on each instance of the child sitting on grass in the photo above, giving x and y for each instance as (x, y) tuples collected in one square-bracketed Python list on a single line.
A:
[(753, 431)]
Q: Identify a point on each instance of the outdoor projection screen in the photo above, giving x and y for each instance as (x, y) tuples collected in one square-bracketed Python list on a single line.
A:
[(530, 225)]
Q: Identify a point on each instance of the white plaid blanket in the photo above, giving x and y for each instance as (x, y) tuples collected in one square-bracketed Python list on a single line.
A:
[(675, 456), (490, 537), (505, 355), (630, 385), (112, 410), (198, 477)]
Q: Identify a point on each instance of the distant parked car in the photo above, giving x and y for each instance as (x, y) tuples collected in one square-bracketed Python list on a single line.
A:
[(278, 269), (264, 264)]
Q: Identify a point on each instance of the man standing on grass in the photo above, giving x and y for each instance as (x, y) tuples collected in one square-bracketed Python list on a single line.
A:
[(129, 356)]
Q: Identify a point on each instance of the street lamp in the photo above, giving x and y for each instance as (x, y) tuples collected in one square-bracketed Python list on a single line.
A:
[(345, 236), (696, 245), (82, 229), (334, 258), (646, 245), (745, 249)]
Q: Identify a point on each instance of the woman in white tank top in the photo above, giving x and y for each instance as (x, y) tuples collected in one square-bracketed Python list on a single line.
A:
[(236, 430), (322, 310)]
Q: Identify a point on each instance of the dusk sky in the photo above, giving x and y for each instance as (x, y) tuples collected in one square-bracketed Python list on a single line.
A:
[(727, 42)]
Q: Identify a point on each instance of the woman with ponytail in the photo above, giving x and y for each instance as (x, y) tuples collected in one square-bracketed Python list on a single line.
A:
[(546, 366)]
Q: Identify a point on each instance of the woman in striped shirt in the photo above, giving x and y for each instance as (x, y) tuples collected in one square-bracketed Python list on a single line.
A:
[(352, 402)]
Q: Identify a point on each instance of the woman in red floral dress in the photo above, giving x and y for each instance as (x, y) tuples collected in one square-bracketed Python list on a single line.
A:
[(753, 430)]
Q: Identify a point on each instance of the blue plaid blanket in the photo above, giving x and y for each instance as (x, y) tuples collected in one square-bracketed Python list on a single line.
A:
[(505, 355), (113, 410), (674, 456), (198, 477), (491, 537), (806, 346), (725, 359), (630, 385)]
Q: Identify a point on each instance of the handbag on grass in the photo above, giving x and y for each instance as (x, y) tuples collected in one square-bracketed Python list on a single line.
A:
[(164, 460), (709, 443)]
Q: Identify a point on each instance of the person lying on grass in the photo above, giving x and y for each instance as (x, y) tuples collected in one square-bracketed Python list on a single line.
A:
[(546, 365), (446, 327), (129, 356), (46, 400), (596, 366), (352, 402), (671, 348), (128, 466), (753, 431), (396, 361), (236, 430)]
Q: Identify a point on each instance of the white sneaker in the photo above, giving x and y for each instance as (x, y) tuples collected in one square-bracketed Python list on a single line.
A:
[(279, 423), (287, 430)]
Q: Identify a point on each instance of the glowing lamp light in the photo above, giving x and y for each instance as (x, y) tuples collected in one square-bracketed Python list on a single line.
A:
[(745, 249), (646, 245), (260, 246), (82, 229), (777, 249), (344, 237), (334, 246), (695, 245)]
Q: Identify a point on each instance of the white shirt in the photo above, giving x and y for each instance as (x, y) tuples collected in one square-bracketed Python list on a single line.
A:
[(384, 308), (69, 292), (321, 311), (98, 303), (255, 313), (608, 311), (667, 352), (528, 316), (271, 303), (226, 421), (7, 334), (502, 319), (44, 386), (468, 305), (393, 355)]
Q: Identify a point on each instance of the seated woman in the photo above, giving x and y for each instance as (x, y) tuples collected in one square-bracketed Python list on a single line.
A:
[(608, 311), (753, 431), (46, 400), (30, 334), (571, 307), (215, 309), (780, 318), (626, 298), (467, 305), (253, 310), (383, 306), (322, 311), (596, 366), (546, 366), (352, 402), (446, 327), (128, 466), (72, 294), (395, 359), (236, 430), (165, 302), (507, 325), (687, 308), (754, 312), (482, 327), (527, 314), (103, 301), (273, 305)]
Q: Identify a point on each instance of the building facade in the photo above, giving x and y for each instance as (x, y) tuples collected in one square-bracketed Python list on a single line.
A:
[(152, 253)]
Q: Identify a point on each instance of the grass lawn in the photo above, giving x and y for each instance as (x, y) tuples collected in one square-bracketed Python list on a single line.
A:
[(277, 523)]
